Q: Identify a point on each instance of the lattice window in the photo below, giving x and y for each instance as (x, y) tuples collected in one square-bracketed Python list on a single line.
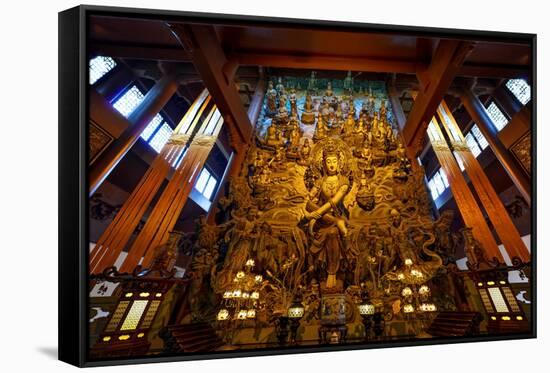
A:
[(486, 301), (438, 184), (150, 315), (444, 178), (433, 190), (481, 140), (472, 144), (520, 89), (459, 161), (99, 66), (134, 315), (434, 132), (161, 137), (117, 316), (129, 101), (497, 116), (511, 299), (206, 183), (152, 127), (498, 300)]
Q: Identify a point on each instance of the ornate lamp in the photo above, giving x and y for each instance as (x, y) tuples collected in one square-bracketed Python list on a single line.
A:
[(366, 310), (295, 313)]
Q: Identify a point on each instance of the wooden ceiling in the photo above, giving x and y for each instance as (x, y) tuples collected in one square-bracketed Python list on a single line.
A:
[(304, 47)]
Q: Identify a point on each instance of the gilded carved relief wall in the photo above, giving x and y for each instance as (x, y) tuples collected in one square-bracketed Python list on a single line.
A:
[(327, 211)]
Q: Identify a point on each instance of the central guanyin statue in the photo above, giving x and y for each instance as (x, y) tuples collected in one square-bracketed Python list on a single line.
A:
[(326, 213)]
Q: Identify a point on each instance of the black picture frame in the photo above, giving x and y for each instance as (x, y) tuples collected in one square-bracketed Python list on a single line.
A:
[(73, 176)]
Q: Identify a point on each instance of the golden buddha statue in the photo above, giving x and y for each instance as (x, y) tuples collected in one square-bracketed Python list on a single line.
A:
[(292, 99), (282, 114), (280, 87), (320, 129), (327, 215), (329, 92), (273, 136), (308, 115), (349, 124), (271, 100), (294, 137), (305, 151)]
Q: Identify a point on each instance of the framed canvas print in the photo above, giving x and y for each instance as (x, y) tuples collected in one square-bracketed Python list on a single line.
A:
[(234, 186)]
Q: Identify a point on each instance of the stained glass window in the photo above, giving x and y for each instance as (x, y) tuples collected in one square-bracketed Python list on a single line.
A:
[(151, 127), (99, 66), (206, 183), (520, 89), (161, 137), (497, 116), (127, 103)]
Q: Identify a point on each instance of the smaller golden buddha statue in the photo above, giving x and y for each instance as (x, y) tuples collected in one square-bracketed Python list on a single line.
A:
[(305, 151), (294, 137), (308, 115), (349, 124), (329, 92), (280, 87), (292, 99), (320, 129), (271, 101), (282, 114), (273, 136)]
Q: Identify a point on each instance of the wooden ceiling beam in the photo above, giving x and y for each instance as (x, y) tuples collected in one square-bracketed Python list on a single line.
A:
[(380, 65), (201, 43), (139, 52), (435, 81), (340, 63)]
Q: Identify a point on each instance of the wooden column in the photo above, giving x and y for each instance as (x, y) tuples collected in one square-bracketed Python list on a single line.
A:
[(509, 104), (505, 228), (216, 70), (118, 233), (165, 214), (240, 149), (465, 201), (151, 105), (434, 81), (477, 112), (401, 120), (110, 88)]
